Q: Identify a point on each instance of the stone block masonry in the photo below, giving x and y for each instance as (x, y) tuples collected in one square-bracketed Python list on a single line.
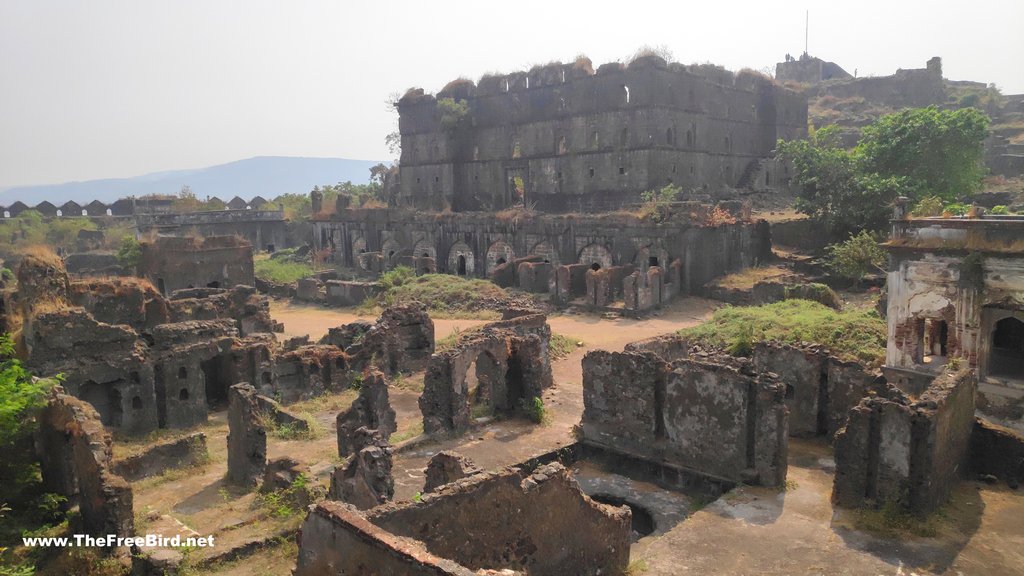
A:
[(565, 137), (75, 456), (536, 522), (908, 451), (715, 416), (247, 437)]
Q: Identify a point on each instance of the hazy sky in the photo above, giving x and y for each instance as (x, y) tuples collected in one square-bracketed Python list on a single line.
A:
[(96, 88)]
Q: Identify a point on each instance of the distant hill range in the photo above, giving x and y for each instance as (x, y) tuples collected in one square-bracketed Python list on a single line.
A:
[(266, 176)]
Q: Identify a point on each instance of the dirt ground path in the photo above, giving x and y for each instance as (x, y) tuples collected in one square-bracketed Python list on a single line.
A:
[(505, 442)]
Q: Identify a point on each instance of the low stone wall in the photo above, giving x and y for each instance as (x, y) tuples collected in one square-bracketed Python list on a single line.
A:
[(908, 451), (187, 451), (997, 451), (540, 523), (337, 539), (715, 416), (350, 293)]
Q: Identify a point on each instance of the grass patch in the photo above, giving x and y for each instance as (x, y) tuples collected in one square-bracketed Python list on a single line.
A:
[(893, 522), (413, 430), (281, 271), (858, 334), (446, 296), (636, 567), (291, 430), (325, 403), (746, 279), (562, 345), (404, 382)]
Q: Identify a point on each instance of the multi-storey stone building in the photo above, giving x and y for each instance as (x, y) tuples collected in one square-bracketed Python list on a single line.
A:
[(564, 137)]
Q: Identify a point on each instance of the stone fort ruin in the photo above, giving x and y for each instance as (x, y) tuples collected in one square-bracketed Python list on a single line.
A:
[(565, 137)]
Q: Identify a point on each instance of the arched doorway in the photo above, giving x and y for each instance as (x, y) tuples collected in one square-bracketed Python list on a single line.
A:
[(1006, 358)]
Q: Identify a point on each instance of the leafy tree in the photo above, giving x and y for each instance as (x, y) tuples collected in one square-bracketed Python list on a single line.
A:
[(656, 202), (939, 150), (64, 231), (130, 252), (915, 153), (186, 200), (856, 257), (832, 187), (377, 174), (21, 397)]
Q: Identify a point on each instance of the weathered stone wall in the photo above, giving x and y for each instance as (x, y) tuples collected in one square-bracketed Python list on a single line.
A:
[(75, 456), (337, 539), (264, 229), (907, 451), (704, 252), (371, 409), (247, 437), (349, 293), (513, 367), (307, 372), (173, 263), (950, 284), (447, 467), (565, 138), (540, 523), (997, 451), (719, 419), (130, 301)]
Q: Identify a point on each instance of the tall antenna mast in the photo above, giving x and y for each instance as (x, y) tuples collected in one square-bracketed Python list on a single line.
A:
[(807, 27)]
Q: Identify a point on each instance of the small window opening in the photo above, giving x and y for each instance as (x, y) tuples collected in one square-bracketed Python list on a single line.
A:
[(591, 172), (622, 171), (595, 266), (183, 394), (136, 403), (182, 373)]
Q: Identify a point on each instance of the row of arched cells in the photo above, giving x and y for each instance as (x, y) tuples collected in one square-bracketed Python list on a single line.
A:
[(462, 261)]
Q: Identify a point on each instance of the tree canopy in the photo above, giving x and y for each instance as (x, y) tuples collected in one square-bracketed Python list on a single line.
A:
[(915, 153)]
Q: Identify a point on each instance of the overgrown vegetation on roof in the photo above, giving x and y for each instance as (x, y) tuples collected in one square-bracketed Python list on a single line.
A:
[(858, 334), (444, 295)]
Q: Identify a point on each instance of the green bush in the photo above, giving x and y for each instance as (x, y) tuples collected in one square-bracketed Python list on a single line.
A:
[(1000, 210), (396, 277), (929, 206), (534, 409), (858, 335), (130, 252), (856, 257)]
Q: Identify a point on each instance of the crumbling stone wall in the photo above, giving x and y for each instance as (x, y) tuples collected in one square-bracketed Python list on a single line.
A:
[(371, 409), (401, 340), (365, 479), (820, 388), (309, 371), (247, 437), (336, 539), (243, 304), (539, 522), (513, 366), (173, 263), (906, 450), (130, 301), (75, 457), (716, 416), (704, 252), (447, 467)]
